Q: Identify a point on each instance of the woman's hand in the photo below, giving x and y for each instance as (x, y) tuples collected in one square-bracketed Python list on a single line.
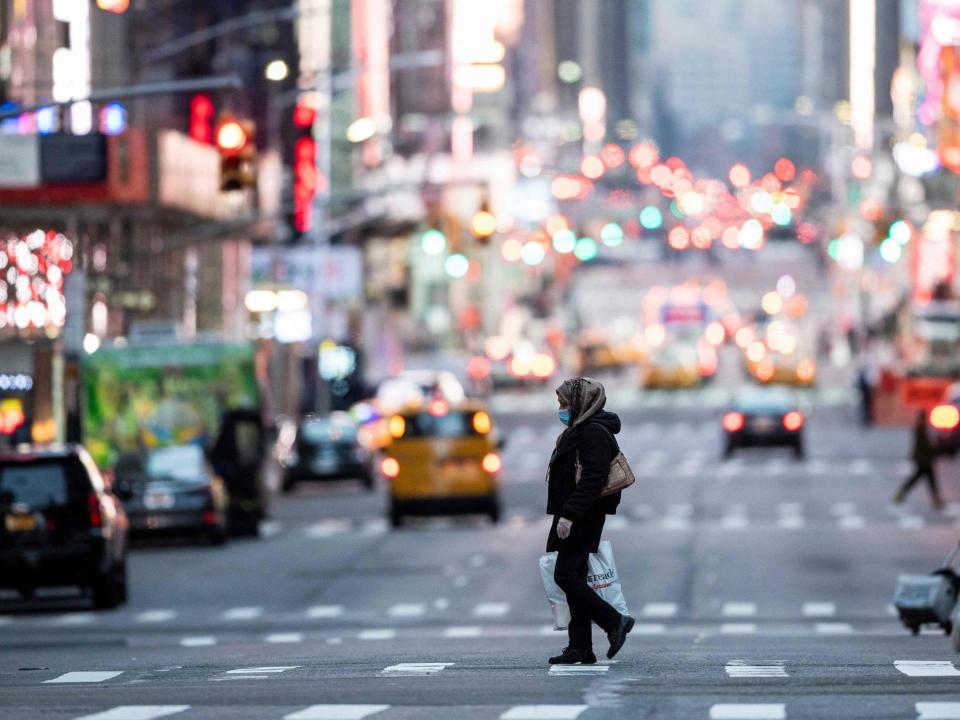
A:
[(563, 528)]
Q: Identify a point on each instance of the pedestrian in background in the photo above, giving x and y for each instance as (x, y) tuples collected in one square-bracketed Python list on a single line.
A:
[(579, 513), (924, 456)]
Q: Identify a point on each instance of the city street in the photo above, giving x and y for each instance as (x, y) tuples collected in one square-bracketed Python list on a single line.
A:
[(761, 588)]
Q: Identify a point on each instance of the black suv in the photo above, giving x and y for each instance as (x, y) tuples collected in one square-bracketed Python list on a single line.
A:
[(59, 525)]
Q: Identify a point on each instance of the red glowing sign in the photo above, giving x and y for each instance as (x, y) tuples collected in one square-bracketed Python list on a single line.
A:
[(201, 116)]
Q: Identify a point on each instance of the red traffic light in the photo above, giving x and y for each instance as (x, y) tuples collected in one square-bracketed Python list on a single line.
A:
[(232, 137)]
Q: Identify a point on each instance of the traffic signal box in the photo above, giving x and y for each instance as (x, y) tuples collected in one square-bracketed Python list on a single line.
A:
[(238, 153)]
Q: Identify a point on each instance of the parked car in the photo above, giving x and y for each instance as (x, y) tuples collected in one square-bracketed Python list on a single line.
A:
[(61, 525), (326, 448), (172, 490)]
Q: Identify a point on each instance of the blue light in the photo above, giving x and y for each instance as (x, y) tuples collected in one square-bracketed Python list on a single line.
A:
[(12, 123), (113, 119), (46, 120)]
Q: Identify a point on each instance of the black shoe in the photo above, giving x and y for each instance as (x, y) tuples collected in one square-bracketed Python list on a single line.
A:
[(618, 636), (572, 656)]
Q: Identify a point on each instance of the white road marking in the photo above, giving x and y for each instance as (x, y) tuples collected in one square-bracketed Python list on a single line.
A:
[(378, 634), (5, 620), (75, 619), (642, 511), (415, 669), (790, 508), (938, 710), (911, 522), (407, 610), (334, 641), (270, 528), (198, 641), (268, 670), (861, 467), (851, 522), (648, 629), (156, 616), (843, 508), (817, 467), (819, 609), (739, 609), (289, 637), (926, 668), (738, 628), (324, 611), (675, 523), (834, 628), (464, 632), (544, 712), (373, 527), (578, 669), (617, 522), (749, 711), (441, 603), (738, 669), (734, 522), (680, 510), (791, 522), (243, 613), (137, 712), (491, 609), (336, 712), (659, 609), (84, 676), (328, 527), (775, 467)]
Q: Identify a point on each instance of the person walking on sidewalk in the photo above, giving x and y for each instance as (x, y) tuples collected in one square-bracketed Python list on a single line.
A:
[(579, 513), (924, 456)]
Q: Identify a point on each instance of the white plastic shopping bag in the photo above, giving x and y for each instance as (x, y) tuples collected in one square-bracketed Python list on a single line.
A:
[(601, 576)]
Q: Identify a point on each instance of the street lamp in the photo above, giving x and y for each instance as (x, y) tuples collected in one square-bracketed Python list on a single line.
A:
[(276, 70)]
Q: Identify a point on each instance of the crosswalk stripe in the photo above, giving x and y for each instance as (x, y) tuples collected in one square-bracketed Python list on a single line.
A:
[(289, 637), (911, 522), (649, 629), (463, 632), (377, 634), (415, 668), (84, 676), (578, 669), (659, 609), (926, 668), (491, 609), (268, 670), (938, 710), (819, 609), (544, 712), (336, 712), (738, 628), (243, 613), (156, 616), (834, 628), (739, 609), (75, 619), (737, 669), (851, 522), (137, 712), (324, 611), (748, 711), (791, 522), (407, 610), (198, 641)]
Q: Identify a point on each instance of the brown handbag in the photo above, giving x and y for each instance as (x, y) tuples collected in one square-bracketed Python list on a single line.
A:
[(619, 478)]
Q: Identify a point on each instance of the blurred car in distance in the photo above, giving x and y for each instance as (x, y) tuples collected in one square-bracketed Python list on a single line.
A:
[(783, 369), (764, 417), (442, 460), (172, 491), (672, 366), (61, 525), (326, 448)]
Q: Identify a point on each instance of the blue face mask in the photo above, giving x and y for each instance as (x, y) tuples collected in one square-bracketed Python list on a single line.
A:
[(564, 416)]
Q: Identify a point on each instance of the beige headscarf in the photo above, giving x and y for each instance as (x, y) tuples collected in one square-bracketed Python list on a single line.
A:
[(585, 397)]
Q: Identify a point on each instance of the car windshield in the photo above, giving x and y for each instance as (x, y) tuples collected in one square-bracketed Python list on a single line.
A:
[(180, 463), (322, 430), (37, 485), (768, 400)]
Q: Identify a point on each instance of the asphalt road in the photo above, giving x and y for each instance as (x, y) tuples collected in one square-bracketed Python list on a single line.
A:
[(761, 587)]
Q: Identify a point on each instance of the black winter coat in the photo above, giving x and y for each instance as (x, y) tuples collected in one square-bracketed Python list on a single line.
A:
[(597, 446)]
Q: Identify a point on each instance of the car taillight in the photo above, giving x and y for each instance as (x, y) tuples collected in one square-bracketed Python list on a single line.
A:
[(94, 510), (806, 370), (945, 417), (793, 421), (733, 421), (390, 467), (492, 463), (209, 518)]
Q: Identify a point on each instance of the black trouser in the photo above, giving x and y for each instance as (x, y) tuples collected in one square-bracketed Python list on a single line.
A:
[(923, 470), (571, 576)]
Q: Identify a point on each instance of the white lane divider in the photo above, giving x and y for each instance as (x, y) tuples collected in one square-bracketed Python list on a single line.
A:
[(75, 619), (415, 669), (738, 628), (84, 676), (938, 710), (834, 628), (659, 610), (491, 609), (242, 613), (288, 637), (819, 609), (739, 669), (464, 632), (926, 668), (156, 616), (739, 609), (137, 712), (578, 669), (318, 612), (336, 712), (407, 610), (544, 712), (198, 641), (749, 711), (377, 634)]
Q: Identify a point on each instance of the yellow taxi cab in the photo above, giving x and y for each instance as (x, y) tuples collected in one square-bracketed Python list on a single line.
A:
[(672, 367), (781, 369), (442, 460)]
